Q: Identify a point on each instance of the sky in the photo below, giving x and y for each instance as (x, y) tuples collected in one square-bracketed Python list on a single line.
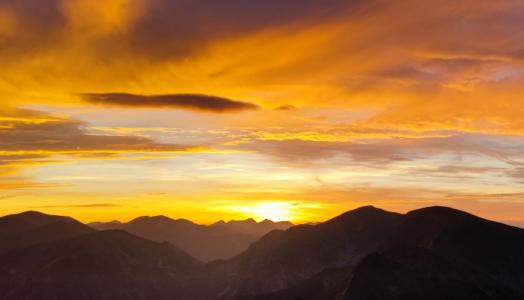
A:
[(282, 109)]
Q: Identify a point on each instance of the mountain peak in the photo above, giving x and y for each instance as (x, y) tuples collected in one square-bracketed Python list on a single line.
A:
[(159, 218), (366, 208), (246, 221), (31, 213), (439, 212), (185, 221), (218, 223), (364, 211), (36, 217)]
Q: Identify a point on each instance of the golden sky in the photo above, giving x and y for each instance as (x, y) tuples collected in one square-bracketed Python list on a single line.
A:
[(282, 109)]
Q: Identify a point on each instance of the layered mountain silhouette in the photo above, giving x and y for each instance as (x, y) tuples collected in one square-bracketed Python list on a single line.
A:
[(431, 253), (367, 253), (221, 240)]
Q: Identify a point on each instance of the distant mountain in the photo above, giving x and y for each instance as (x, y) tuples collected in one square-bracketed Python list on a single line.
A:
[(218, 241), (100, 265), (105, 225), (250, 226)]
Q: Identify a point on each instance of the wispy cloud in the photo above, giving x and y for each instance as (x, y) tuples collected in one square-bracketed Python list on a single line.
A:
[(25, 137)]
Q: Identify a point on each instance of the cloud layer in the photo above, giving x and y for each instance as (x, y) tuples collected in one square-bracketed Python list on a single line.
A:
[(393, 101)]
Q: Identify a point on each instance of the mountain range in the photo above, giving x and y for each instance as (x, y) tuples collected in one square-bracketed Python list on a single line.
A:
[(220, 240), (366, 253)]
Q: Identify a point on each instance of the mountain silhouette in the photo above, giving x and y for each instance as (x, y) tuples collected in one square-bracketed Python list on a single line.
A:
[(100, 265), (250, 226), (363, 254), (29, 228), (430, 253), (218, 241), (282, 259), (418, 273)]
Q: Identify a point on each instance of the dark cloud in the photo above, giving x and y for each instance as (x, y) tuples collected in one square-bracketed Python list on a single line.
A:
[(40, 23), (172, 28), (179, 101), (286, 107), (168, 29)]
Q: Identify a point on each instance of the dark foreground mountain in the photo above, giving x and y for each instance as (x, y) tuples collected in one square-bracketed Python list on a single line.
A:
[(419, 273), (219, 241), (431, 253), (30, 228), (367, 253), (286, 258), (100, 265)]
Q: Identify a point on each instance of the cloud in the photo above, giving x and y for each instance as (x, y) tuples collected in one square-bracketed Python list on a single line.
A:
[(22, 184), (70, 136), (89, 205), (178, 101), (286, 107), (381, 151), (159, 29), (180, 28), (30, 137)]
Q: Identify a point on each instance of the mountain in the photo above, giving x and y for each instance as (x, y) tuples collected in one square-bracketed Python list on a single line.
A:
[(105, 225), (431, 253), (30, 228), (99, 265), (218, 241), (17, 223), (282, 259), (418, 273), (250, 226), (364, 254)]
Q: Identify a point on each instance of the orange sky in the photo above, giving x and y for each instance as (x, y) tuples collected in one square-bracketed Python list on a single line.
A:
[(282, 109)]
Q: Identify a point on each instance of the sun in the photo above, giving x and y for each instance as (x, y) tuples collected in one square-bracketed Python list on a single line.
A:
[(274, 210)]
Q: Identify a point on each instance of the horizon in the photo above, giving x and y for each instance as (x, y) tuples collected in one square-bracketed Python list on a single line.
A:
[(515, 223), (282, 110)]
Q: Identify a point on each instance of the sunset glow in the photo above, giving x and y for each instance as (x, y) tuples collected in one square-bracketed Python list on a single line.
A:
[(121, 108)]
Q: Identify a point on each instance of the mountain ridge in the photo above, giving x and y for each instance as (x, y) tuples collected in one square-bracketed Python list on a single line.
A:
[(205, 242), (365, 253)]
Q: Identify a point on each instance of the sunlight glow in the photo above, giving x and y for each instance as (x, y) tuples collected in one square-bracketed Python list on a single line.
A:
[(275, 211)]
